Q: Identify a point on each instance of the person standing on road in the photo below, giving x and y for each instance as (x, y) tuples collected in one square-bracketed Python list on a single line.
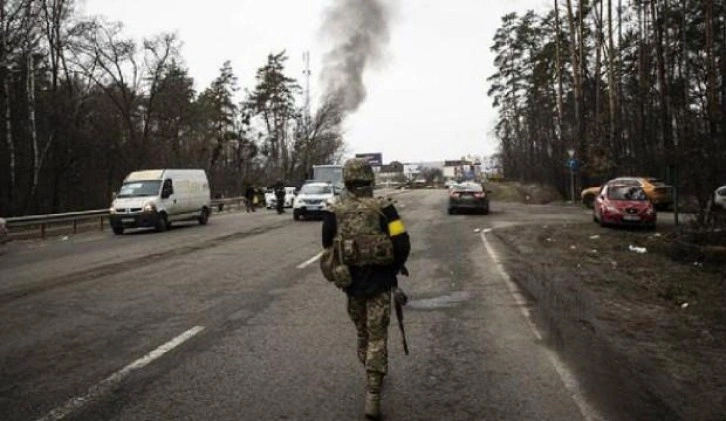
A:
[(250, 198), (375, 247), (280, 197)]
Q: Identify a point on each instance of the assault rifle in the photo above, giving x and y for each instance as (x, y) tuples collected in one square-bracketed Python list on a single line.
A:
[(400, 299)]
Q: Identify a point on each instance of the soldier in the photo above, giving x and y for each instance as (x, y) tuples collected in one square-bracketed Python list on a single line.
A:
[(374, 246), (250, 198), (280, 197)]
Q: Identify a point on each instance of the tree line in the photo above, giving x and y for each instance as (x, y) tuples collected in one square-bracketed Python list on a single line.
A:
[(634, 87), (83, 105)]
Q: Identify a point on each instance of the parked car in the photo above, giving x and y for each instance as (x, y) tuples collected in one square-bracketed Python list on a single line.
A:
[(719, 199), (313, 200), (156, 198), (4, 236), (658, 192), (588, 196), (626, 205), (468, 196)]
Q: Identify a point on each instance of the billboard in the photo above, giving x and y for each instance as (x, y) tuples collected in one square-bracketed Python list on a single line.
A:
[(373, 158)]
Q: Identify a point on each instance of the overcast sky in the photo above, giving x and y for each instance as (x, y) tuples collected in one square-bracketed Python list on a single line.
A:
[(426, 102)]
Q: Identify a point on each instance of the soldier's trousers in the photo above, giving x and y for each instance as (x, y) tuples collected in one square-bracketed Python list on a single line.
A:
[(372, 317)]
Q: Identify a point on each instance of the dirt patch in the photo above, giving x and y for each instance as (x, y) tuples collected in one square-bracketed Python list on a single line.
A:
[(641, 327), (511, 191)]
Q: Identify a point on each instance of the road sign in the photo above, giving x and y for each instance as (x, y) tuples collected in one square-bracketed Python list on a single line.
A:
[(373, 158), (573, 164)]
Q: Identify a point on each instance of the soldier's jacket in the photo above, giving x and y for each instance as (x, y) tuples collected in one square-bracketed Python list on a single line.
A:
[(370, 280)]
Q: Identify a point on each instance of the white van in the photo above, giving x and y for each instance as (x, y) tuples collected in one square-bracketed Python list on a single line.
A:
[(156, 198)]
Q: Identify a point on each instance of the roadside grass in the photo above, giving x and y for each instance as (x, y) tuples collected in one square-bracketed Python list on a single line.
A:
[(659, 302)]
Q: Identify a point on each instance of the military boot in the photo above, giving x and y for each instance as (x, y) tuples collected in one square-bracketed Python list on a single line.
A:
[(373, 406), (373, 395)]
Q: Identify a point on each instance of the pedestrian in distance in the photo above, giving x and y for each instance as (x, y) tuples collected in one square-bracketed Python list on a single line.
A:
[(250, 198), (365, 247), (280, 197)]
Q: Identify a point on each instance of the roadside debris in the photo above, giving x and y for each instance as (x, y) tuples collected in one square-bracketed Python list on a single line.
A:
[(573, 247), (684, 305), (487, 230), (477, 230), (65, 238), (639, 250), (550, 240), (594, 237)]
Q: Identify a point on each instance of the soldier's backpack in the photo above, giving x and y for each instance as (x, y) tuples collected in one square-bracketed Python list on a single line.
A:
[(333, 268), (360, 240)]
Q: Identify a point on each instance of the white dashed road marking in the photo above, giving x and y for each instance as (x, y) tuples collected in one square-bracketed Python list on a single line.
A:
[(310, 261), (568, 379), (113, 380)]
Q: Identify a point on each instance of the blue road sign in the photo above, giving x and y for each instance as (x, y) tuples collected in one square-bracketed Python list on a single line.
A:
[(573, 164)]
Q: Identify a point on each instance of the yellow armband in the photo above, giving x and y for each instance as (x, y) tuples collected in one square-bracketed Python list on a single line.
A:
[(396, 228)]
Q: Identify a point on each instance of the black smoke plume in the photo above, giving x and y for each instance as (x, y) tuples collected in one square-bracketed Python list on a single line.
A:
[(359, 31)]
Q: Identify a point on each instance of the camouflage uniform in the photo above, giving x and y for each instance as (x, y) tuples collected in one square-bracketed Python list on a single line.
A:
[(371, 317), (369, 293)]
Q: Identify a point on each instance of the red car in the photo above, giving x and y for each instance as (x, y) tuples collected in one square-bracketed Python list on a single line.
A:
[(625, 205)]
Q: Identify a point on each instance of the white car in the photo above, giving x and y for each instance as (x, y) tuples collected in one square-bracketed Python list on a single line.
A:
[(314, 199), (719, 198), (271, 199)]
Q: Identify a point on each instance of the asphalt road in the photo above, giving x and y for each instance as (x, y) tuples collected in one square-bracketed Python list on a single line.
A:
[(232, 321)]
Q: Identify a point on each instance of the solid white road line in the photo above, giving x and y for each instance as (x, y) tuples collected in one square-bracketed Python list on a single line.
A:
[(310, 261), (113, 380), (568, 379)]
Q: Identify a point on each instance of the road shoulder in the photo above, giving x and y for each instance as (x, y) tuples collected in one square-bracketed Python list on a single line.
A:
[(642, 341)]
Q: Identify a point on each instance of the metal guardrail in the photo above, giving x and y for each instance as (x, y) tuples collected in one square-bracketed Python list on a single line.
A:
[(43, 222)]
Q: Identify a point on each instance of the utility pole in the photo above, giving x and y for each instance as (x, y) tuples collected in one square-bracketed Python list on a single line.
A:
[(307, 73), (307, 120), (574, 165)]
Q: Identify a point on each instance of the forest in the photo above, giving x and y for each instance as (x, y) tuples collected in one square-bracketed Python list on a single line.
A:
[(83, 104), (633, 87)]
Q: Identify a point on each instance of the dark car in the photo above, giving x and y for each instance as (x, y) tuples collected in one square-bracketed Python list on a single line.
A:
[(468, 196), (624, 205)]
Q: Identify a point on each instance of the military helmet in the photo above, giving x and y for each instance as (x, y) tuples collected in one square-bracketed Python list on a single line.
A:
[(358, 170)]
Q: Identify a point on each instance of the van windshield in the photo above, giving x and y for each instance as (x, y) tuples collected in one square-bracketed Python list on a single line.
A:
[(140, 188)]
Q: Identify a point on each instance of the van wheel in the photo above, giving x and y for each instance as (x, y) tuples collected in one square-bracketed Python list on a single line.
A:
[(204, 218), (118, 230), (162, 224)]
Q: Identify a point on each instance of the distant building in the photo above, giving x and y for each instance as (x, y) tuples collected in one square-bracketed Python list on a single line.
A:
[(463, 169), (390, 173), (392, 168)]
